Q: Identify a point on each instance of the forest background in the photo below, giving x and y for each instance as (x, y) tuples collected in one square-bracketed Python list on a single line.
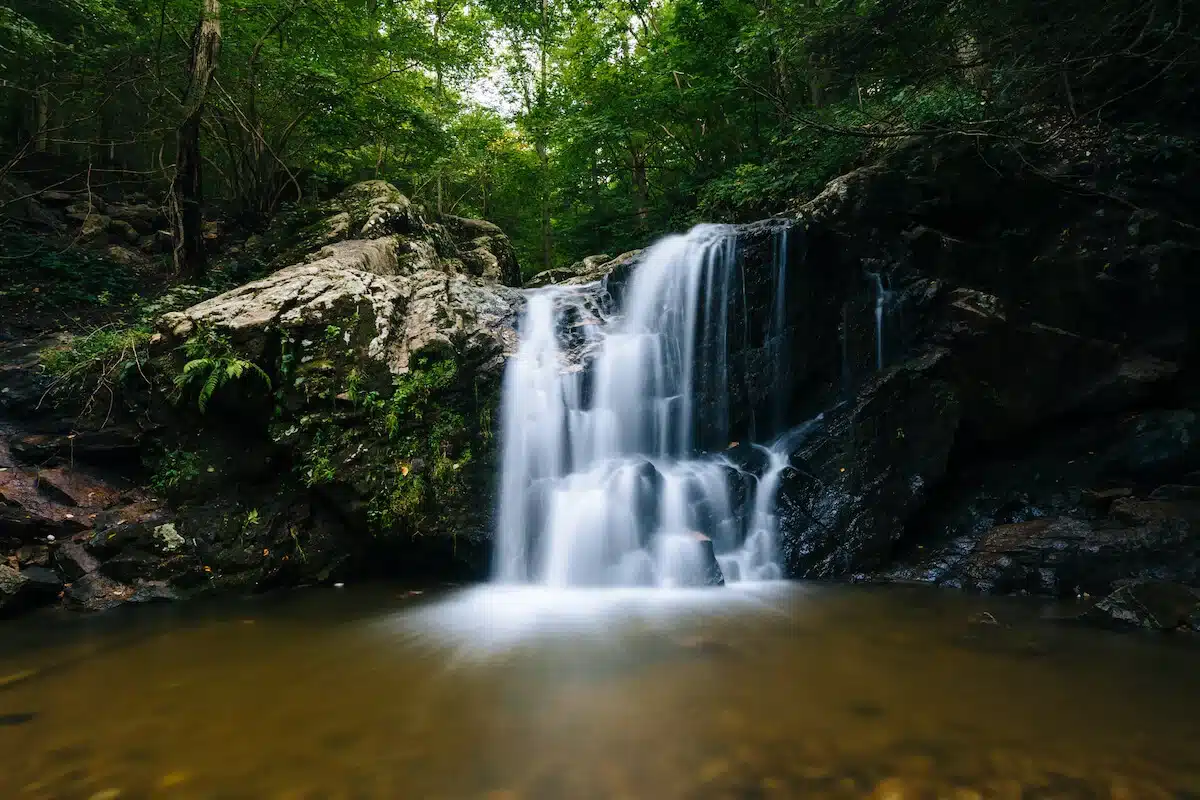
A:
[(578, 126)]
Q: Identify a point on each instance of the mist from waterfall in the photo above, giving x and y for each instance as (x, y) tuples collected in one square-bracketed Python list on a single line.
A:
[(602, 479)]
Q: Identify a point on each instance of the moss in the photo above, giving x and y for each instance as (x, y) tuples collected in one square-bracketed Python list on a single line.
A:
[(411, 453)]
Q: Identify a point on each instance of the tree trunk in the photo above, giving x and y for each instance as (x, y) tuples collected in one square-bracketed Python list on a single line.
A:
[(641, 186), (547, 233), (542, 145), (186, 190), (818, 77), (41, 120)]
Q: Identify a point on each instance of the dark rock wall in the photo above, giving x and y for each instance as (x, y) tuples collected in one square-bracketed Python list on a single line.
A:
[(1040, 352)]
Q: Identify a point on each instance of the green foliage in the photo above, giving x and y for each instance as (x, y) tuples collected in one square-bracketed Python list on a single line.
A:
[(212, 363), (90, 368), (579, 126), (174, 470), (411, 450), (111, 351), (36, 274)]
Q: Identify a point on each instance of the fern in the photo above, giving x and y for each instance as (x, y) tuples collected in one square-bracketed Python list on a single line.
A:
[(215, 369)]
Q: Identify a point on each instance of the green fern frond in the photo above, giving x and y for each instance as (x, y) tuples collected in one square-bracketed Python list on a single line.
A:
[(210, 387)]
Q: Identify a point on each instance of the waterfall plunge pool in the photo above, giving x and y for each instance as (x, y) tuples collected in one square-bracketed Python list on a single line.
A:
[(765, 690)]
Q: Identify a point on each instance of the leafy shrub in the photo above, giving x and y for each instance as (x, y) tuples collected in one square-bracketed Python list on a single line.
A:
[(174, 469)]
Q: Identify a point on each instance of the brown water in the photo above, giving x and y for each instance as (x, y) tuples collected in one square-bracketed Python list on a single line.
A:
[(785, 691)]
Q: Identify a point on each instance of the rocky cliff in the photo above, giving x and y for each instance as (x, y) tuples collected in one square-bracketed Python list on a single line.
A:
[(1008, 362), (330, 419)]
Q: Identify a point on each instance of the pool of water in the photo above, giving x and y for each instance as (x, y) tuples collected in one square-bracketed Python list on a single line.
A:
[(778, 690)]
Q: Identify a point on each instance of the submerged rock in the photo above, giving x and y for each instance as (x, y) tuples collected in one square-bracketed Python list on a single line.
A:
[(1150, 604)]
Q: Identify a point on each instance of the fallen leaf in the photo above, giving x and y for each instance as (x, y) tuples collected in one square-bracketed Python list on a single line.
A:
[(172, 779)]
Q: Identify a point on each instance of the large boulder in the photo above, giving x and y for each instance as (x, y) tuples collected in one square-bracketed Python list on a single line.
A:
[(376, 209), (341, 423), (484, 250), (385, 362)]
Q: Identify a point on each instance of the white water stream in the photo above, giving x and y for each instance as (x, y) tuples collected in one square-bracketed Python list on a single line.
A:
[(602, 483)]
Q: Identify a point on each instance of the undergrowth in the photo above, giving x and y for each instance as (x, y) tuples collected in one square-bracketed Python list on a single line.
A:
[(36, 273), (174, 469), (92, 366)]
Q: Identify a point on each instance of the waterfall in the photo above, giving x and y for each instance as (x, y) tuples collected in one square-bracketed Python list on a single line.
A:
[(777, 334), (603, 480), (883, 298)]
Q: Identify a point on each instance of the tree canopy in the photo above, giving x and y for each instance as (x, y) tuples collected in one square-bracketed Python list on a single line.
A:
[(579, 126)]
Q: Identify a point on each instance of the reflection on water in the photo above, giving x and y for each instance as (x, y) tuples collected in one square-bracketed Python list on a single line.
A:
[(776, 691)]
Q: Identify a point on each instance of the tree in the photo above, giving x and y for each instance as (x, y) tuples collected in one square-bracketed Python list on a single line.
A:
[(187, 188)]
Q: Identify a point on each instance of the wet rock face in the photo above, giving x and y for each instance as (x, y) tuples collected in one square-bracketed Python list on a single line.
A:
[(855, 483), (1057, 399)]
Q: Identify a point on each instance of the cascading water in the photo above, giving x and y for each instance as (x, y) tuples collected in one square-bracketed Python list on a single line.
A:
[(602, 483), (883, 299)]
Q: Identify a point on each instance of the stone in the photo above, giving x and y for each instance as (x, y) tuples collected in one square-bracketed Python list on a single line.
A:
[(154, 592), (41, 581), (55, 197), (484, 249), (33, 555), (11, 584), (96, 592), (549, 277), (85, 206), (123, 231), (855, 482), (712, 570), (93, 228), (113, 442), (26, 503), (74, 561), (26, 588), (156, 242), (143, 218), (1159, 605), (1184, 492), (1103, 498), (168, 537), (76, 488), (124, 256)]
